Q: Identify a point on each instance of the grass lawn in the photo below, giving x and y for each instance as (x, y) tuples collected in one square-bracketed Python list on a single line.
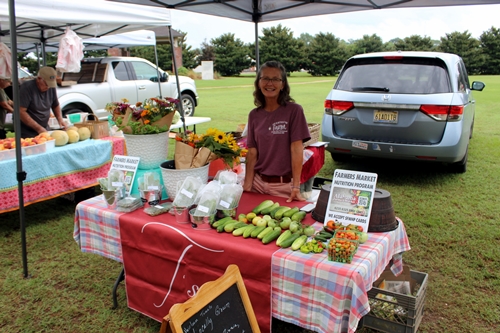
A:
[(452, 220)]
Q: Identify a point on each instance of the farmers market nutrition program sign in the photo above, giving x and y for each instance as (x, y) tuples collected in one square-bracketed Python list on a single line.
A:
[(351, 197)]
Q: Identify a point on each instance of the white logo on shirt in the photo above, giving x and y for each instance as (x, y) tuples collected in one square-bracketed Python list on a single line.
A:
[(280, 127)]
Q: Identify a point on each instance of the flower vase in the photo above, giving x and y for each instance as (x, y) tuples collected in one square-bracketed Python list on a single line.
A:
[(151, 148)]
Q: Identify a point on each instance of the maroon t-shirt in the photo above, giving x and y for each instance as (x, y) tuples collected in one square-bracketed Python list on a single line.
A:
[(272, 134)]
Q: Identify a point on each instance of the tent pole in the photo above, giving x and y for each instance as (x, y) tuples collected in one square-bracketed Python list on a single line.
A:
[(21, 175), (157, 70), (177, 78), (257, 56)]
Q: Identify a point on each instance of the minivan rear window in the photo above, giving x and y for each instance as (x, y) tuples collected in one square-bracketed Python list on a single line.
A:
[(395, 76)]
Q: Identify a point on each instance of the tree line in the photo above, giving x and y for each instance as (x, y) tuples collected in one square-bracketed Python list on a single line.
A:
[(321, 55)]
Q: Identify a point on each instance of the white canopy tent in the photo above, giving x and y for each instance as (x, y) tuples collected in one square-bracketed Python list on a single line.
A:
[(126, 39), (34, 21)]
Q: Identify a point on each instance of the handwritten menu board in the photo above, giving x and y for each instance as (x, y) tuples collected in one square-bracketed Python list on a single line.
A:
[(219, 306)]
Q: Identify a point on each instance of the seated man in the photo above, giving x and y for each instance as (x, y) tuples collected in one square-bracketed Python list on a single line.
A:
[(36, 98)]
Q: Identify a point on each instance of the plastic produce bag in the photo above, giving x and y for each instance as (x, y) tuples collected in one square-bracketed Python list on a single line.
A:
[(187, 193), (208, 204), (230, 196), (227, 177), (70, 52)]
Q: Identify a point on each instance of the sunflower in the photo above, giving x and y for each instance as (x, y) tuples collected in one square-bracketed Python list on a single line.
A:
[(220, 136)]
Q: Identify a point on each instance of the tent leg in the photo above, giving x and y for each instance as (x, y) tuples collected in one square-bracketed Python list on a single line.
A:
[(120, 278), (181, 107)]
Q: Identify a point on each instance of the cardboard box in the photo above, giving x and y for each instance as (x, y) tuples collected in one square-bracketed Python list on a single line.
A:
[(395, 312)]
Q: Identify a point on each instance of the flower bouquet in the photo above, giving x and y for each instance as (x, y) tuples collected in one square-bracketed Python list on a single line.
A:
[(152, 116), (196, 150)]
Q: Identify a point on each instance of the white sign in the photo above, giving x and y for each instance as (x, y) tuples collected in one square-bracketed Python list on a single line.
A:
[(207, 70), (128, 165), (351, 197)]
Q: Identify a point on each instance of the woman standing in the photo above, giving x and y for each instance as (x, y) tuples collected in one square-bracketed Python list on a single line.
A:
[(277, 128)]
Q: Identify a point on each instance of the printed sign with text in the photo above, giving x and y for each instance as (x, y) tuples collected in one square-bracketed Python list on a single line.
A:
[(351, 197)]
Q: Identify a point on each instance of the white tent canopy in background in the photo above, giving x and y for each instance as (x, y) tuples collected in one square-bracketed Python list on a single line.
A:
[(126, 39), (45, 21)]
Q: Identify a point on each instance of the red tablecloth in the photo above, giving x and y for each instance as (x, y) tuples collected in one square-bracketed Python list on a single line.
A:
[(313, 164), (166, 262)]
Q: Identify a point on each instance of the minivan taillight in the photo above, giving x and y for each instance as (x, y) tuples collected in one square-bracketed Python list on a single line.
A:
[(337, 107), (443, 112)]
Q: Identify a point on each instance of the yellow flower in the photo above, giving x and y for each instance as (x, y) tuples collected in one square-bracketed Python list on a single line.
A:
[(220, 136), (124, 100)]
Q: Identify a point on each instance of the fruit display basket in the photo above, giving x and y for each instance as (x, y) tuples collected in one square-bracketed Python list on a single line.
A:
[(98, 129), (342, 249), (397, 312)]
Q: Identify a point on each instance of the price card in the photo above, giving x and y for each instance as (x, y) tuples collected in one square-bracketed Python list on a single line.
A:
[(187, 193), (224, 204)]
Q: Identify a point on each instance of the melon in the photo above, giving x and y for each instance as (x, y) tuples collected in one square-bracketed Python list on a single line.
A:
[(73, 136), (61, 137), (72, 128), (84, 133)]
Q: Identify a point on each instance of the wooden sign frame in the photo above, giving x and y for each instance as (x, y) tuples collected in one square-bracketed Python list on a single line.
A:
[(208, 293)]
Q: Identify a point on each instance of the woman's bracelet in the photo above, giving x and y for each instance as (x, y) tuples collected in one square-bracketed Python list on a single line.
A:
[(297, 187)]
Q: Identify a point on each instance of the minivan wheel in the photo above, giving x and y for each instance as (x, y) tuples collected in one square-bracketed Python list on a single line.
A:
[(341, 157), (460, 166)]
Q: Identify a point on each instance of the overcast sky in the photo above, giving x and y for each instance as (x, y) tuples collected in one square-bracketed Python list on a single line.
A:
[(386, 23)]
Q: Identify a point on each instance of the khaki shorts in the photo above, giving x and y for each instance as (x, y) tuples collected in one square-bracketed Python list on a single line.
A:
[(277, 189)]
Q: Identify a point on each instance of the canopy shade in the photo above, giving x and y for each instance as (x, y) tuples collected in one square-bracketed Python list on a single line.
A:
[(45, 21), (126, 39), (272, 10)]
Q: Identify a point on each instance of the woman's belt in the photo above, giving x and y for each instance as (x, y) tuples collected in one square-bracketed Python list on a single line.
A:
[(276, 179)]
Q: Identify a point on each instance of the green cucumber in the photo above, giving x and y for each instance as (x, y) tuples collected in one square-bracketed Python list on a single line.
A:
[(291, 211), (269, 209), (272, 235), (289, 241), (283, 236), (220, 227), (257, 231), (299, 242), (298, 216), (281, 210), (221, 221), (264, 204), (241, 231), (264, 232), (248, 230)]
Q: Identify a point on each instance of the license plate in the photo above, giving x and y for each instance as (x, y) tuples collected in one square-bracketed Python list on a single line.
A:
[(387, 117)]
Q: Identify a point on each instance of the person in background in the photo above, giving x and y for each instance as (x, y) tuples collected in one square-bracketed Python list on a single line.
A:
[(36, 99), (277, 128), (6, 105)]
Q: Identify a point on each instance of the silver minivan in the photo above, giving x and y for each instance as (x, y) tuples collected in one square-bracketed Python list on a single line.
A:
[(402, 105)]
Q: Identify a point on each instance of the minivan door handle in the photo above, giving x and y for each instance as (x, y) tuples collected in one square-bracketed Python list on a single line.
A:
[(142, 87)]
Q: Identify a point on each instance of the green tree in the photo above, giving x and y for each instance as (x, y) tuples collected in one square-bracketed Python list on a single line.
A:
[(326, 54), (207, 52), (368, 44), (231, 55), (414, 43), (490, 47), (279, 44), (465, 46)]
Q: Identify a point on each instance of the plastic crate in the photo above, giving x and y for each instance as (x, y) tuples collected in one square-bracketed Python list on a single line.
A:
[(7, 154), (397, 313), (34, 150)]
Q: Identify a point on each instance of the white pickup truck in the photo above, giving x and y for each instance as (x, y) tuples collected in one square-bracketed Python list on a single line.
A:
[(104, 80)]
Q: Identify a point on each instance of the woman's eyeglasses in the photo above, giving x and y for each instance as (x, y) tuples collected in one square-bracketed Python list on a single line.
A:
[(274, 80)]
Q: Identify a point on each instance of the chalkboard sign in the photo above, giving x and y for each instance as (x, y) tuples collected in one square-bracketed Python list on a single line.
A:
[(218, 306)]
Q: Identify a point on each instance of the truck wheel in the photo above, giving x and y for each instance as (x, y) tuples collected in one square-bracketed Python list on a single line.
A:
[(187, 105)]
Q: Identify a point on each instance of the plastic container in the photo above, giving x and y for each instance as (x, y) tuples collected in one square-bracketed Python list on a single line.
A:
[(7, 154), (342, 248), (50, 144), (34, 150)]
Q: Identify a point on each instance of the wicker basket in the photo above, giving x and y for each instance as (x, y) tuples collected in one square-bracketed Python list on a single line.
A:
[(98, 129), (314, 131)]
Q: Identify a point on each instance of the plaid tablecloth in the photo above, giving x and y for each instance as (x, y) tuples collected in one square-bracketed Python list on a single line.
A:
[(58, 171), (307, 290), (312, 292)]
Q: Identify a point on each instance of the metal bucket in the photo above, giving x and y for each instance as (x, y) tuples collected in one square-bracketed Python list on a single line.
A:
[(201, 222), (112, 197), (151, 197), (181, 214)]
